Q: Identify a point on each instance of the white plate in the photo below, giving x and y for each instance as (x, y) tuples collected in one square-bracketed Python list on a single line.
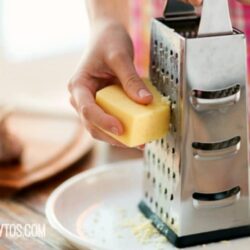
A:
[(90, 208)]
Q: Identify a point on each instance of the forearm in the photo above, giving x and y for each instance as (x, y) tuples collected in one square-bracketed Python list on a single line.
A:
[(100, 10)]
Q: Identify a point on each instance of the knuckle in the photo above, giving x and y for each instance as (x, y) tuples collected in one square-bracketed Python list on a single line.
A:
[(87, 111), (116, 56), (73, 84), (75, 81), (131, 81)]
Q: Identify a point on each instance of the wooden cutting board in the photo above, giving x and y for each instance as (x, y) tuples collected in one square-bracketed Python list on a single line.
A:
[(51, 144)]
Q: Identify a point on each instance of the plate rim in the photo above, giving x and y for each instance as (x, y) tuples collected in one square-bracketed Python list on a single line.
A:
[(50, 204)]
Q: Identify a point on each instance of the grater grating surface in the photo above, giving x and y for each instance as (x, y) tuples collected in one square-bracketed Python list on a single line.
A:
[(196, 178)]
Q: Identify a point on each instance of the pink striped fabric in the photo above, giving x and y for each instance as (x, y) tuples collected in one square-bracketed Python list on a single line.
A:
[(143, 10), (240, 15)]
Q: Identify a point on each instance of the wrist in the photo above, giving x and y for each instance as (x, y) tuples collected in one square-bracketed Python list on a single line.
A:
[(108, 11), (107, 22)]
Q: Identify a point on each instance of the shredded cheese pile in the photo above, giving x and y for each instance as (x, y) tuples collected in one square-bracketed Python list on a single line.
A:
[(144, 231)]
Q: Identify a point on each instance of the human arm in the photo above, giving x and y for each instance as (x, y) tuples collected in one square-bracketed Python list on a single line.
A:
[(109, 60)]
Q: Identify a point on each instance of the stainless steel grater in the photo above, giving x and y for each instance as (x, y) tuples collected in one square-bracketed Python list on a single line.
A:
[(196, 179)]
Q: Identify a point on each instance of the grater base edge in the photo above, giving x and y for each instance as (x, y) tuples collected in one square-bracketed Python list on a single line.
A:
[(194, 239)]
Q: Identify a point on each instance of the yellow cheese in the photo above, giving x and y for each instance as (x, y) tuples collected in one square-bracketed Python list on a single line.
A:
[(142, 123)]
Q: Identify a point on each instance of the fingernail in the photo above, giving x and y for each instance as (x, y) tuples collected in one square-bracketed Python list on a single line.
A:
[(144, 93), (115, 131)]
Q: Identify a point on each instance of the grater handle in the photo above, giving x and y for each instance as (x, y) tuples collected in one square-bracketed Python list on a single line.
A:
[(215, 16), (205, 100)]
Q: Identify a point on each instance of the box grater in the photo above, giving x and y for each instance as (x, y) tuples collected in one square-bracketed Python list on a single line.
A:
[(196, 179)]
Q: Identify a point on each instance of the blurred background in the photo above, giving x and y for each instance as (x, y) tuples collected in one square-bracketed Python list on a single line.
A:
[(41, 43)]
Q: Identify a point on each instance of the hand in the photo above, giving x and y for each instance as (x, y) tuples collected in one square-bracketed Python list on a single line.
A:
[(199, 2), (109, 60), (193, 2)]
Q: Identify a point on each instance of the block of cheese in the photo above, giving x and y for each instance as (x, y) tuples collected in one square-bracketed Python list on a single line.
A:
[(142, 123)]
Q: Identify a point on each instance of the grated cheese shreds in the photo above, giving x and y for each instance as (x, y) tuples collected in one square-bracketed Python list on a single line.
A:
[(144, 231)]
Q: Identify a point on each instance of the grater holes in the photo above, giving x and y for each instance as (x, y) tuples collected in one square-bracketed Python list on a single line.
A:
[(148, 175), (171, 197), (171, 52), (160, 187), (163, 167), (149, 153), (151, 199), (193, 34), (174, 128), (173, 151), (156, 205), (161, 210), (167, 215), (173, 106), (154, 180), (172, 77), (177, 80), (172, 221), (174, 175), (165, 191), (146, 194), (168, 170), (153, 64), (187, 34), (153, 158)]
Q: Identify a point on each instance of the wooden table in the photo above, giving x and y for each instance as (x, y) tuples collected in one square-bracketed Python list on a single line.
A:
[(28, 205)]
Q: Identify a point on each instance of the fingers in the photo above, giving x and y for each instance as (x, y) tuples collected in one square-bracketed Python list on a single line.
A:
[(122, 65), (83, 101), (99, 135), (194, 2)]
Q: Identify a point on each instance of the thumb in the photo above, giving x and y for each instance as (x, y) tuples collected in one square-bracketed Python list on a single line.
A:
[(123, 67)]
